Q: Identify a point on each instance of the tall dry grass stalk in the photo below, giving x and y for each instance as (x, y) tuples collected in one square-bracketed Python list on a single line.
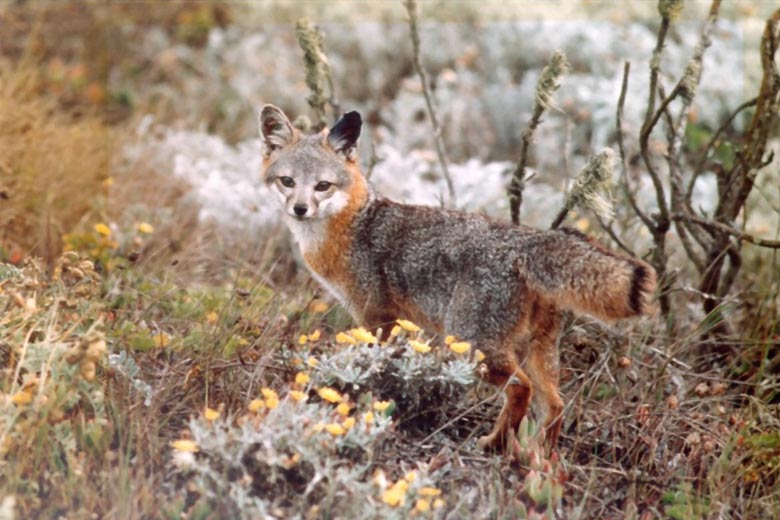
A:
[(52, 167)]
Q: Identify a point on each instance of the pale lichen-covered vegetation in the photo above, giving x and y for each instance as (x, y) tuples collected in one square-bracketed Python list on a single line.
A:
[(163, 353)]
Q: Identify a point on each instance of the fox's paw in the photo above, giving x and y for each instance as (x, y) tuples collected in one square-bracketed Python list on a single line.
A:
[(507, 444), (491, 442)]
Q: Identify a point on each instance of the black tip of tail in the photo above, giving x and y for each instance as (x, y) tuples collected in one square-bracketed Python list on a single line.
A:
[(638, 287)]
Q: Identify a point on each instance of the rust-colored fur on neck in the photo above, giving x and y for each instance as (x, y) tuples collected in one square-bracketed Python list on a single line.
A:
[(330, 259)]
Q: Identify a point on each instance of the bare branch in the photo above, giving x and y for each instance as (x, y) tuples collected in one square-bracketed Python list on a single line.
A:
[(723, 228), (621, 147), (606, 226), (651, 118), (699, 169), (411, 9)]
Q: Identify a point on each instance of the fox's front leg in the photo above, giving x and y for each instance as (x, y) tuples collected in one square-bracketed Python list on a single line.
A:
[(503, 371)]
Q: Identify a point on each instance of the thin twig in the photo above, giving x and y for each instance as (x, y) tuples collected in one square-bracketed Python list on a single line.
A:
[(621, 147), (699, 169), (651, 118), (723, 228), (686, 90), (411, 9), (661, 223), (606, 226)]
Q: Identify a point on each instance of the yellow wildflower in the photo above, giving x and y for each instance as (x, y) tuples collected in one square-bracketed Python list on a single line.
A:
[(449, 340), (161, 340), (298, 395), (459, 347), (411, 476), (318, 306), (363, 335), (185, 445), (422, 505), (335, 429), (301, 378), (269, 393), (314, 336), (271, 398), (343, 409), (396, 495), (381, 406), (212, 317), (396, 330), (422, 348), (429, 491), (345, 338), (438, 503), (368, 417), (256, 405), (329, 394), (103, 229), (479, 355), (408, 325), (145, 228), (210, 414), (303, 339), (22, 397), (349, 422), (312, 361)]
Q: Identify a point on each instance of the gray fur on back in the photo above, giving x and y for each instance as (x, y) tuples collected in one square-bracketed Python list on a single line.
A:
[(458, 268)]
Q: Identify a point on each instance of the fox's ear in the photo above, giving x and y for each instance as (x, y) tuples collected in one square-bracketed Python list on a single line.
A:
[(275, 129), (344, 135)]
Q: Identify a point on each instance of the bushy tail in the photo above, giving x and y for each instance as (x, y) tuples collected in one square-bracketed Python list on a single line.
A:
[(579, 274)]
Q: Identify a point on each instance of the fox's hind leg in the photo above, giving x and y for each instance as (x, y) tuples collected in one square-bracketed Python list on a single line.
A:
[(504, 371), (542, 366)]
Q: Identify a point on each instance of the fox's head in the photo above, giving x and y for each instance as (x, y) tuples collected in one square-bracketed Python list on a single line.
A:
[(314, 176)]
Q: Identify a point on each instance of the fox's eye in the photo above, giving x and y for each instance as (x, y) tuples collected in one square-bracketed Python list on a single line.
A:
[(287, 182), (323, 186)]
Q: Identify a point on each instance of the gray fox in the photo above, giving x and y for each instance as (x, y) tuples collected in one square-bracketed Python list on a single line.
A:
[(498, 286)]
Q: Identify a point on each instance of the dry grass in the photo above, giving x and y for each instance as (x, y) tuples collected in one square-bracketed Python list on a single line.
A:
[(54, 167)]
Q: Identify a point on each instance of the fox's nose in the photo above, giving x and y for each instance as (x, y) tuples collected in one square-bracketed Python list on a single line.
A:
[(300, 209)]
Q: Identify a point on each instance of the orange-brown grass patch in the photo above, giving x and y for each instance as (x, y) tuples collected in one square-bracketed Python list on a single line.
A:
[(53, 167)]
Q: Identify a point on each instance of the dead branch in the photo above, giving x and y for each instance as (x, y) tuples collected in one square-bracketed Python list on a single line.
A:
[(621, 147), (719, 227), (699, 168), (411, 9)]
